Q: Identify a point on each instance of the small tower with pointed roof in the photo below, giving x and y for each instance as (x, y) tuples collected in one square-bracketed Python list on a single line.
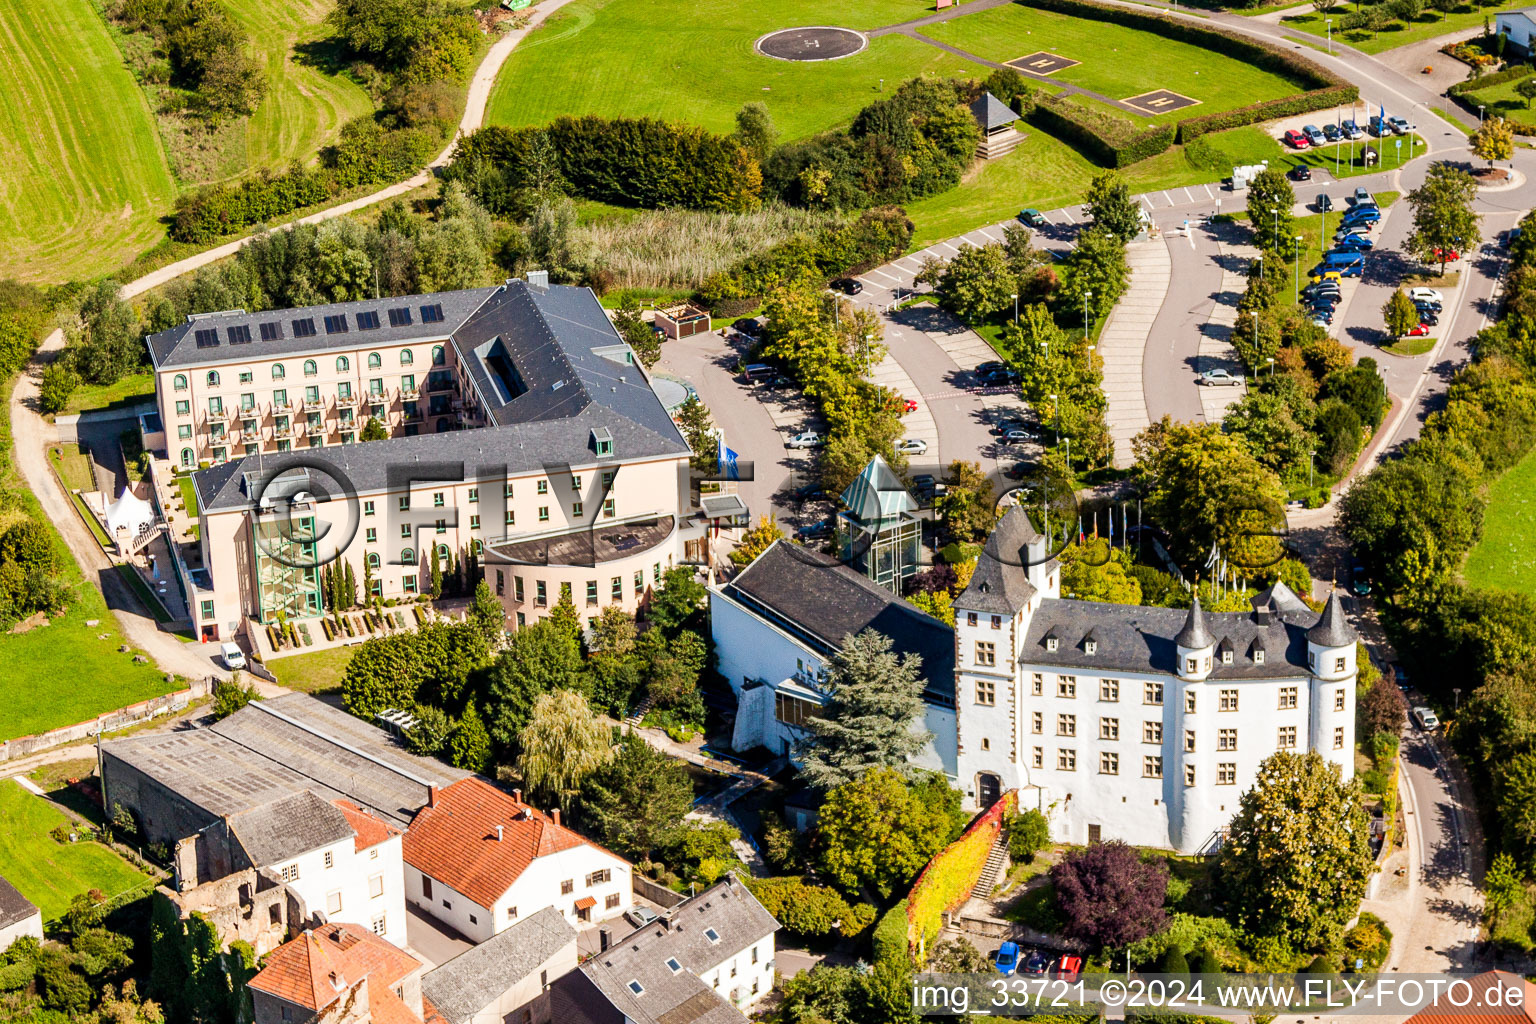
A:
[(1195, 645), (878, 533), (1331, 643)]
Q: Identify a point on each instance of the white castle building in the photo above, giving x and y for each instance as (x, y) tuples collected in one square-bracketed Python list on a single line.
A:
[(1136, 723)]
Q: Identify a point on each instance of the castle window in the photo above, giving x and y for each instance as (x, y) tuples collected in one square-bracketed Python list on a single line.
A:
[(1152, 767), (1151, 732), (1258, 656), (1338, 737), (1287, 698), (1066, 686), (1037, 723), (1228, 701), (1109, 689), (1338, 700), (1066, 760), (1036, 684), (970, 618), (1226, 657), (1109, 728), (986, 692), (1226, 774), (1189, 701), (1287, 738), (1090, 646), (1189, 741), (1038, 758), (986, 653), (1109, 763), (1050, 643), (986, 744), (1339, 663), (997, 622), (1191, 666), (1189, 775), (1066, 725), (1152, 693), (1226, 739)]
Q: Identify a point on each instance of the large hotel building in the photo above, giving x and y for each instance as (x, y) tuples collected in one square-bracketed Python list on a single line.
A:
[(521, 429)]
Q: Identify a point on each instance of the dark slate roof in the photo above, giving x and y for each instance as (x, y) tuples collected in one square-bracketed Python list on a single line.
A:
[(1332, 629), (477, 977), (1000, 585), (991, 112), (14, 907), (289, 826), (1194, 636), (1137, 638), (682, 998), (1279, 597), (541, 337), (820, 600), (177, 346)]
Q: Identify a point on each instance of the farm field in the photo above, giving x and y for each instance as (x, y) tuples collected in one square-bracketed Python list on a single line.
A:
[(45, 871), (1116, 61), (1506, 556), (85, 178), (693, 61), (1466, 17)]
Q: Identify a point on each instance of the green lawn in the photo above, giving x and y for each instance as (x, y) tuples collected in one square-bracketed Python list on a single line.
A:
[(1116, 60), (73, 466), (315, 672), (1506, 556), (45, 871), (85, 179), (1397, 33), (693, 61), (1409, 347), (128, 390), (1502, 101)]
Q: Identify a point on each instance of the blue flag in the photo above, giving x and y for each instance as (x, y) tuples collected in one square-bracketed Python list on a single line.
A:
[(728, 464)]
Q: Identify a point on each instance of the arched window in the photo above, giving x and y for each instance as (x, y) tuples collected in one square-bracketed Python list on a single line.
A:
[(407, 556), (213, 378), (373, 559), (188, 460), (437, 355), (442, 553), (278, 373), (310, 369), (375, 360), (181, 382), (478, 547), (342, 365), (406, 358)]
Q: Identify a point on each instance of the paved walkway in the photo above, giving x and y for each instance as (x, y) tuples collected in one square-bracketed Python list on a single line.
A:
[(1123, 343), (1216, 351)]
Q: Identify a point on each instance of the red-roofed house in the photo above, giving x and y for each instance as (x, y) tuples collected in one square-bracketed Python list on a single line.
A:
[(479, 860), (338, 974)]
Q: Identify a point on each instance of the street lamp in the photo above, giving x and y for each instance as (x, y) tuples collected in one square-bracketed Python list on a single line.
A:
[(1457, 691), (1309, 468), (1086, 296), (1480, 109), (1275, 237), (1330, 37), (867, 339), (1271, 362), (1089, 358), (1015, 307), (1296, 294), (1058, 415)]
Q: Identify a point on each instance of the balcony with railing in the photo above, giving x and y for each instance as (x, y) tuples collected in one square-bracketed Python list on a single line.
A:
[(313, 405), (346, 401), (410, 394), (284, 408)]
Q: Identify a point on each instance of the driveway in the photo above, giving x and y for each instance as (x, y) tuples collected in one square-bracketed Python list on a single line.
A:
[(431, 940)]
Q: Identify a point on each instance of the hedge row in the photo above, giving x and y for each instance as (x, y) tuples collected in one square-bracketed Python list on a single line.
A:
[(1110, 140), (1192, 128), (948, 880), (1471, 85)]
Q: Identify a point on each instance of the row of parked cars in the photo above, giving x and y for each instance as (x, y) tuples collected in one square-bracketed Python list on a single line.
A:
[(1010, 959), (1345, 259), (1345, 131)]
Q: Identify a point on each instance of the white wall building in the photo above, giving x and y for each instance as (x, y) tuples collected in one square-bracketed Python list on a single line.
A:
[(508, 976), (479, 860), (18, 916), (1519, 26), (1136, 723)]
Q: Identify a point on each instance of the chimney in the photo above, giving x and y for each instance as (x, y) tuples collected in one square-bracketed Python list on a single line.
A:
[(538, 278), (604, 939), (431, 796), (517, 795), (498, 833), (555, 814)]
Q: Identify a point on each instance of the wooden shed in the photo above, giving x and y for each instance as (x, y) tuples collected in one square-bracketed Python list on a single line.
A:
[(681, 321)]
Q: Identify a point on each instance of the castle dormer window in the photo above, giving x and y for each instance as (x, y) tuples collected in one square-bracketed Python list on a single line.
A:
[(1226, 657), (1258, 656), (1050, 643), (1091, 647)]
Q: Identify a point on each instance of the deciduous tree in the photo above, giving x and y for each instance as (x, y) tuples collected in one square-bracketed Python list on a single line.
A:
[(562, 744), (757, 540), (1108, 895), (1270, 202), (1111, 206), (875, 832), (1494, 140), (538, 659), (1443, 218), (977, 283)]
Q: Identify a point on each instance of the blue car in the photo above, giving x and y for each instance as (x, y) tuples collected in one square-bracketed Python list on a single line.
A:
[(1006, 958), (1361, 215), (1356, 243)]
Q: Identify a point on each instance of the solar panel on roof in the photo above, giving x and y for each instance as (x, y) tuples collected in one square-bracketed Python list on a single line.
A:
[(368, 320), (400, 317), (240, 334), (336, 324), (206, 337), (432, 314), (272, 330), (304, 328)]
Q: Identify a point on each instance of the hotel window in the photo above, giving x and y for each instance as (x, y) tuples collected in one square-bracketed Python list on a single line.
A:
[(1338, 737), (1066, 686), (1189, 775), (246, 376), (184, 431), (409, 583), (1151, 732), (404, 503), (792, 710), (374, 359), (1287, 698), (280, 396), (311, 367), (1226, 774), (437, 499), (639, 582), (376, 886), (278, 373), (517, 587), (575, 481), (407, 556), (986, 692), (213, 378), (406, 358), (1036, 684), (1227, 700), (511, 518), (618, 588), (543, 487), (1152, 767), (591, 593), (183, 408), (342, 363), (1066, 760), (247, 401), (1109, 728), (1226, 739), (1152, 693), (577, 509), (376, 386), (1066, 725), (1189, 701), (1189, 741), (1109, 763), (1109, 690), (1038, 758), (367, 508), (405, 529), (986, 653), (312, 396), (474, 495), (609, 511), (1037, 723), (986, 744), (371, 535), (543, 513), (1338, 700), (1287, 739), (216, 406), (180, 383), (607, 479), (540, 594), (437, 350), (506, 491), (474, 522)]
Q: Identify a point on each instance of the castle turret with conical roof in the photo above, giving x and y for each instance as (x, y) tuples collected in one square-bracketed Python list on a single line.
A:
[(1195, 644)]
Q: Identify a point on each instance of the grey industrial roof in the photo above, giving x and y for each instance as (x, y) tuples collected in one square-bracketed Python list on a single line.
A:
[(568, 365), (289, 826), (282, 746), (1137, 638), (991, 112), (14, 907), (475, 978), (177, 346), (1194, 636), (821, 600), (1000, 584), (682, 997), (1333, 628), (588, 544)]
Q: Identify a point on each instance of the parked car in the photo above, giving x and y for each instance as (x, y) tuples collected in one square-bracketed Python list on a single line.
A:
[(814, 531), (1019, 470), (1357, 580), (1363, 196), (1036, 962), (1331, 132), (640, 916), (1378, 127), (851, 285), (1426, 719), (751, 326), (926, 485), (1324, 204), (806, 439), (999, 377), (1430, 317), (1510, 237), (1350, 129), (1006, 958), (1314, 135), (1007, 424), (1301, 172), (1360, 215), (1357, 242), (1426, 295), (1294, 139), (1321, 316), (233, 656), (908, 404), (1034, 218), (912, 446), (1069, 966), (1220, 378), (1400, 125), (811, 492), (1446, 256), (1420, 331), (1018, 435)]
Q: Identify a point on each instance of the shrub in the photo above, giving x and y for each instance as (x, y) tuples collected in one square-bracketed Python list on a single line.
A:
[(1027, 835), (1106, 138), (950, 877), (1173, 962), (890, 935), (1192, 128), (859, 917)]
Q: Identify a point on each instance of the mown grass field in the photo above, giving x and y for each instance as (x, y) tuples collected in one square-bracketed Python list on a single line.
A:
[(1116, 61), (314, 671), (1502, 101), (1466, 17), (693, 61), (45, 871), (84, 180), (1506, 556)]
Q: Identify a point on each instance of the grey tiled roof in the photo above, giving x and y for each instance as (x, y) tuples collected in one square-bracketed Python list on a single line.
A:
[(177, 346), (991, 112), (14, 907), (289, 826), (820, 600), (1332, 629), (1000, 585), (475, 978), (682, 997), (1194, 636), (1137, 638), (1280, 597)]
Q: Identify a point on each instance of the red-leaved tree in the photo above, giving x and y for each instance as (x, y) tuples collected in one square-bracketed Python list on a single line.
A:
[(1108, 895)]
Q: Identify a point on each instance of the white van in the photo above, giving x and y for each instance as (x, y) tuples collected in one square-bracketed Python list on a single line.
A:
[(233, 657), (1426, 718)]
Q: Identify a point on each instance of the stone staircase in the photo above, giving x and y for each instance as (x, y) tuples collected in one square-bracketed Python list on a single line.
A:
[(639, 711), (992, 871)]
